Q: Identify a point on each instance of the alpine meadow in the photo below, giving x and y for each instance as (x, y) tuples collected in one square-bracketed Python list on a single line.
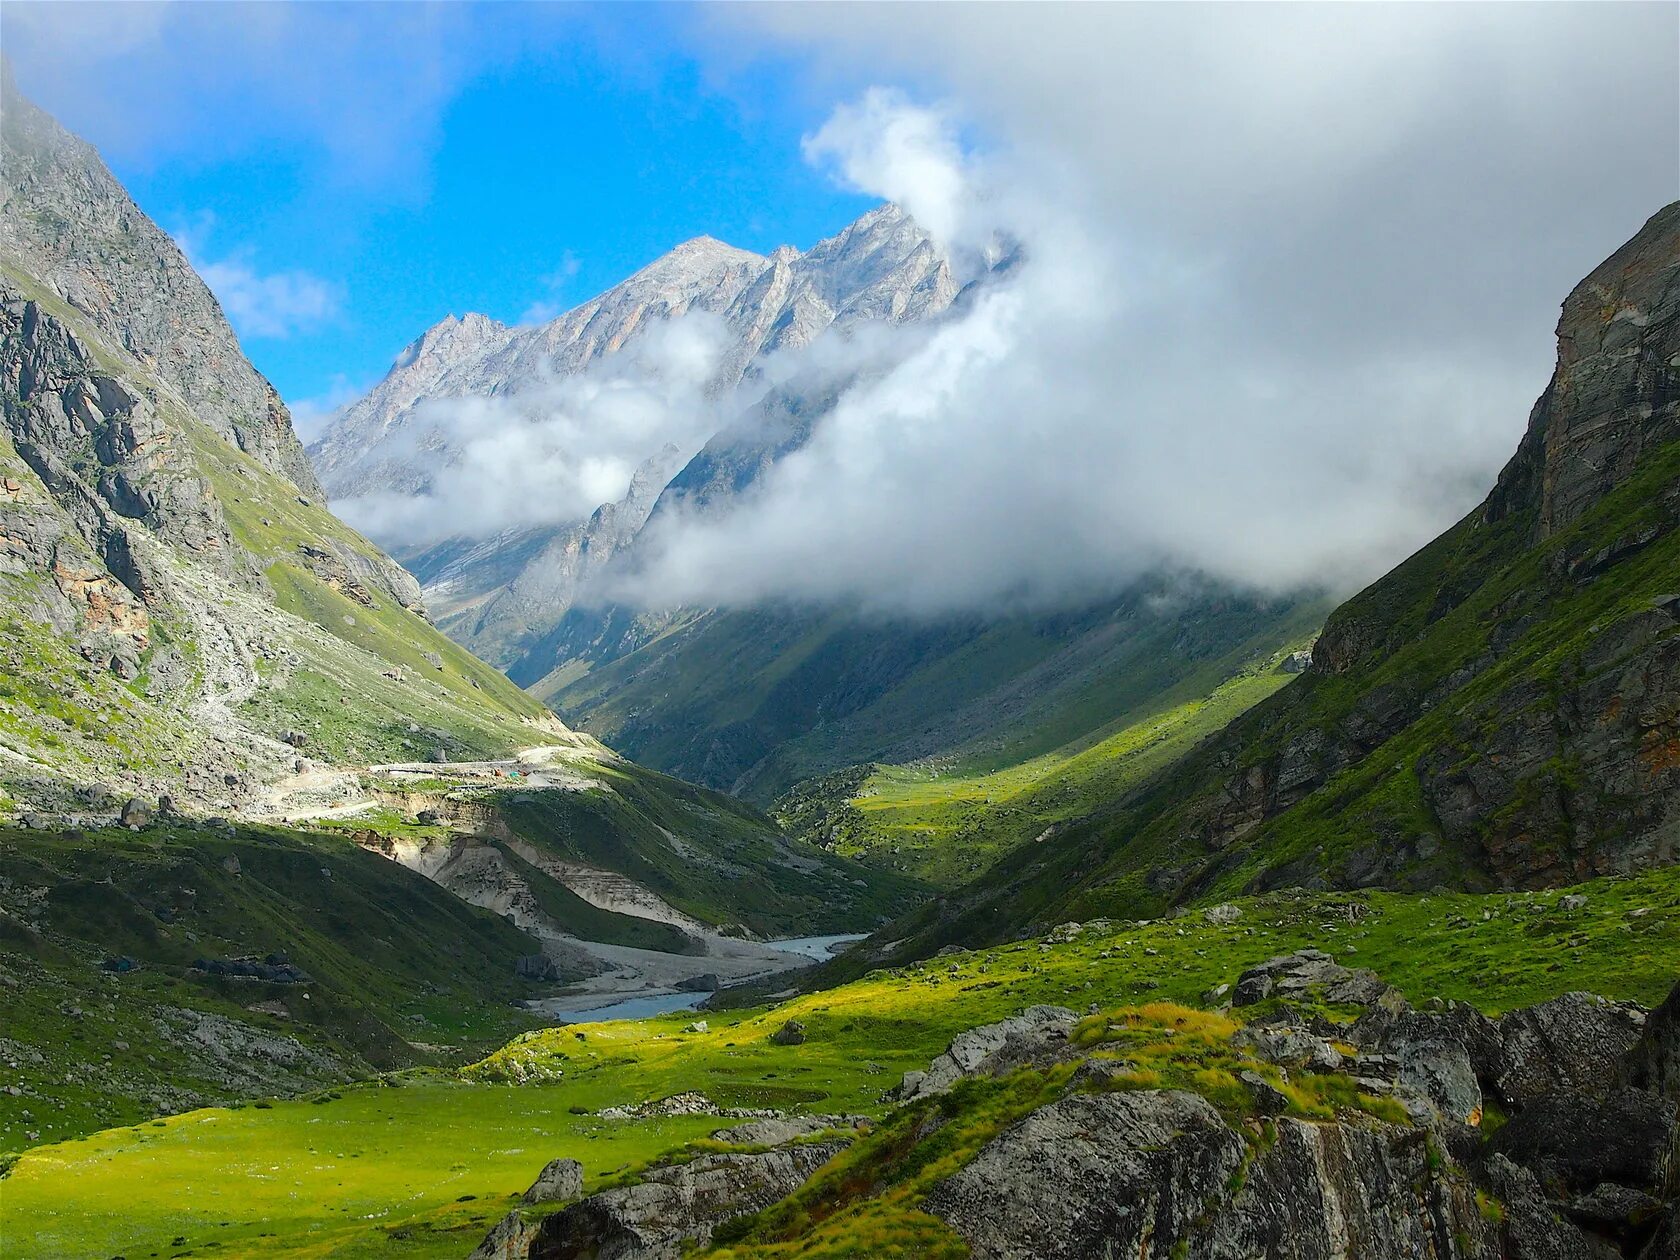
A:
[(1117, 696)]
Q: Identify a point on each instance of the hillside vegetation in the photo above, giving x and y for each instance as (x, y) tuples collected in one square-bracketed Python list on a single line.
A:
[(367, 1176), (946, 825)]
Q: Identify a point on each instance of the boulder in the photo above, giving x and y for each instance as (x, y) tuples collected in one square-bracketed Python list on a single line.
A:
[(670, 1208), (1038, 1034), (1289, 1047), (135, 813), (1533, 1230), (1575, 1142), (1159, 1172), (1569, 1043), (707, 983), (1653, 1062), (780, 1130), (1311, 972), (559, 1181), (791, 1033), (538, 968), (1226, 913)]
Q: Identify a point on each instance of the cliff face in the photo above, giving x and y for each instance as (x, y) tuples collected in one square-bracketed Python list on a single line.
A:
[(69, 225), (173, 597)]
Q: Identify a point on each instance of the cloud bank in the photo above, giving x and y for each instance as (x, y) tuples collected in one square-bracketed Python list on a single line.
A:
[(1288, 282), (554, 452)]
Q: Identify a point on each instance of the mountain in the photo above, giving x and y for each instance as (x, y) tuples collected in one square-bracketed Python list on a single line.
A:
[(883, 267), (1500, 711), (185, 628), (754, 701), (177, 597)]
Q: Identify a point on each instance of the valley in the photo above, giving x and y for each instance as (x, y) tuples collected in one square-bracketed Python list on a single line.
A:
[(617, 882)]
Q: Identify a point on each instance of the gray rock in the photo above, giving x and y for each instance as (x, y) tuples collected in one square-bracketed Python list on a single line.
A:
[(1269, 1100), (1289, 1047), (791, 1033), (1151, 1173), (1573, 1142), (135, 813), (1226, 913), (1573, 1042), (1310, 972), (1654, 1061), (1037, 1034), (539, 968), (780, 1130), (559, 1181), (668, 1208), (1533, 1229)]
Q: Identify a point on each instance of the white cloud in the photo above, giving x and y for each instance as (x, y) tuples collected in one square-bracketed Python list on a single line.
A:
[(886, 145), (273, 305), (1288, 286), (555, 452)]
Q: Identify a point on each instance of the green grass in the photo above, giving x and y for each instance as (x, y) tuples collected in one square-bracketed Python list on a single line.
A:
[(401, 972), (945, 826), (391, 1163), (758, 701)]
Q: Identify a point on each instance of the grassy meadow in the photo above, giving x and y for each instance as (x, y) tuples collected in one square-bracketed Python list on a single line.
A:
[(422, 1163)]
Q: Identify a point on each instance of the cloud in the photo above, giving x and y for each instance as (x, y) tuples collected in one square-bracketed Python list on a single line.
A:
[(262, 305), (364, 86), (1288, 285), (311, 417), (885, 145), (552, 453)]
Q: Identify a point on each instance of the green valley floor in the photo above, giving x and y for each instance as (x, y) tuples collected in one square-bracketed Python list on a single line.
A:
[(422, 1163)]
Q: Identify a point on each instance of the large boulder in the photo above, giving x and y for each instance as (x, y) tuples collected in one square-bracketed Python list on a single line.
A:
[(1159, 1173), (780, 1130), (1570, 1043), (1036, 1035), (559, 1181), (1533, 1230), (1575, 1142), (1311, 972), (669, 1208), (1654, 1061)]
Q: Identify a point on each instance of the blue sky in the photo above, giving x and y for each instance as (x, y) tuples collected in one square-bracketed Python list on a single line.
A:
[(510, 160)]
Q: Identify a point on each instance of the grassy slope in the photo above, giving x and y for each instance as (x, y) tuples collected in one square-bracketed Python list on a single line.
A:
[(350, 648), (758, 701), (390, 957), (368, 1176), (945, 826), (709, 855)]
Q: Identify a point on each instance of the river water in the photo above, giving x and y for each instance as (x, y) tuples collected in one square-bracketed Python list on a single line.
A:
[(817, 948)]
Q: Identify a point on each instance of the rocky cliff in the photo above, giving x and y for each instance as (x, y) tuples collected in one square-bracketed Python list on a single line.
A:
[(182, 616), (66, 221)]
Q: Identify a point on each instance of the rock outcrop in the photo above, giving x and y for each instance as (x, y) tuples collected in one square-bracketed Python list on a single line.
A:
[(1144, 1173), (668, 1208), (1584, 1168)]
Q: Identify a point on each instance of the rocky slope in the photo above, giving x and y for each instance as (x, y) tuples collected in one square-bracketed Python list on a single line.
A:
[(1317, 1113), (1500, 710), (182, 616)]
